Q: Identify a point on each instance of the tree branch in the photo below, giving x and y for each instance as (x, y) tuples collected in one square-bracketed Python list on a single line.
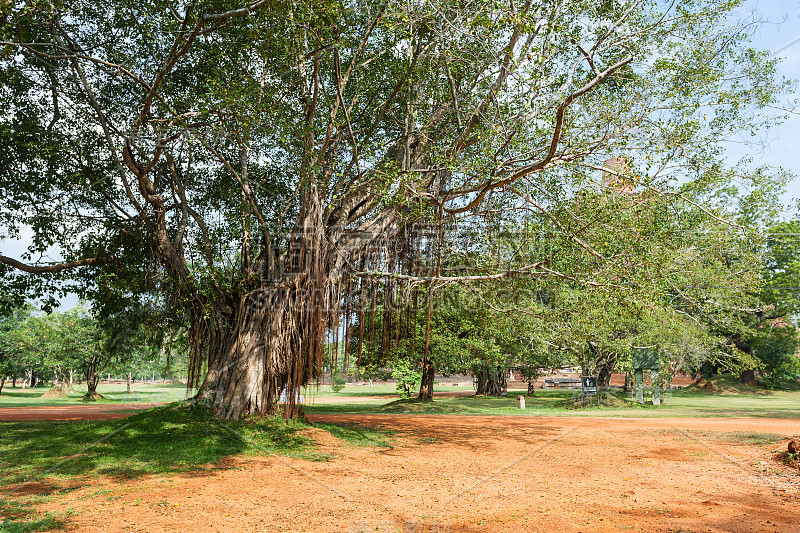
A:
[(58, 267), (548, 159)]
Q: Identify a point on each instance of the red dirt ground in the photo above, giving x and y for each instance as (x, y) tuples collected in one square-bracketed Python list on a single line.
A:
[(450, 474)]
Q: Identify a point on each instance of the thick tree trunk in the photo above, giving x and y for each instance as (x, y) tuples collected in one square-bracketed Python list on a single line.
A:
[(258, 358), (426, 385), (490, 381), (234, 383), (128, 382), (604, 372), (748, 377), (92, 380), (531, 388), (261, 354), (13, 382), (256, 348), (2, 382)]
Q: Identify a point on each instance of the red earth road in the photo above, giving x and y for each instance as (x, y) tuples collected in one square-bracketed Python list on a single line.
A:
[(448, 474)]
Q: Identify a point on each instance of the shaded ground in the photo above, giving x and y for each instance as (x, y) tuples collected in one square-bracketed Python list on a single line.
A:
[(470, 474)]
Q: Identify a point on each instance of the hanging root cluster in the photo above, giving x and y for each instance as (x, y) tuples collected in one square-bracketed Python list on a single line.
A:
[(490, 381), (253, 351)]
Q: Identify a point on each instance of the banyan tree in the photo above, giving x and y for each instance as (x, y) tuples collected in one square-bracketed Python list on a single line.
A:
[(282, 171)]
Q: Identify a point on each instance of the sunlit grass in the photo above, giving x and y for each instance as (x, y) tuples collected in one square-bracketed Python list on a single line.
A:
[(728, 401), (113, 393)]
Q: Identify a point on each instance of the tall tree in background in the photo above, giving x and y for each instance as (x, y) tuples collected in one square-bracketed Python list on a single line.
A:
[(265, 165), (11, 366), (58, 347)]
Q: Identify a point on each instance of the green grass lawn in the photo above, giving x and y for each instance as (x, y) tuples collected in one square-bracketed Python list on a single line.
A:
[(171, 392), (113, 393), (378, 389), (731, 400)]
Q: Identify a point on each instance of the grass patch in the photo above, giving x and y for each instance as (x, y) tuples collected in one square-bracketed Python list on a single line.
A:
[(680, 403), (113, 393), (744, 438), (42, 459), (319, 457), (176, 437), (748, 438), (415, 406), (18, 508), (47, 522), (752, 438)]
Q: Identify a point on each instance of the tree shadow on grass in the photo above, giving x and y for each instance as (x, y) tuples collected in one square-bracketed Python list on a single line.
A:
[(48, 522)]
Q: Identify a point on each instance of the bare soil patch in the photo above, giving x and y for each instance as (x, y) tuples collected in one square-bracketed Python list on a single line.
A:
[(54, 393), (470, 474)]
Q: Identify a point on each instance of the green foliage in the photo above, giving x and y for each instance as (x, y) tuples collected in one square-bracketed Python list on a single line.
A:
[(338, 382), (777, 348), (782, 269), (11, 364), (112, 393), (53, 346), (187, 158), (407, 376), (58, 345)]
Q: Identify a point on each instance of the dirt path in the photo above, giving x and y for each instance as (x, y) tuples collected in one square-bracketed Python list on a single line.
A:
[(434, 422), (450, 474)]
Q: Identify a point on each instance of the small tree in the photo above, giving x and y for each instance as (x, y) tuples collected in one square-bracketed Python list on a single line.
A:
[(338, 382), (408, 378), (776, 347)]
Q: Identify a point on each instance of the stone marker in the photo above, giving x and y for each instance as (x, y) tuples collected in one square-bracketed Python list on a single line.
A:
[(639, 385), (521, 402), (656, 388)]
